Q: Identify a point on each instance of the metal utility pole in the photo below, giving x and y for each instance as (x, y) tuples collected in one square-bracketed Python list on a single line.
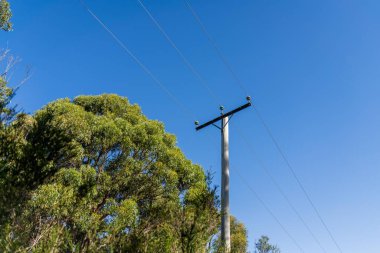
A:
[(225, 187)]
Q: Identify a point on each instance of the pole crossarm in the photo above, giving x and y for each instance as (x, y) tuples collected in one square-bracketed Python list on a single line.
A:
[(211, 122)]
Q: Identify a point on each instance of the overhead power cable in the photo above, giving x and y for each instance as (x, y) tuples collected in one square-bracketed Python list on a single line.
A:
[(279, 188), (182, 56), (182, 107), (242, 178), (294, 174), (216, 48), (244, 89)]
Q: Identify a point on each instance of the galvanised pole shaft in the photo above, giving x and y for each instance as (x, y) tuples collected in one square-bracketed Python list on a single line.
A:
[(225, 189)]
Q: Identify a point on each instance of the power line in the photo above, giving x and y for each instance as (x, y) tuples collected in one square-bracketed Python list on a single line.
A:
[(268, 210), (216, 48), (237, 80), (175, 100), (294, 174), (278, 187), (182, 56), (139, 62)]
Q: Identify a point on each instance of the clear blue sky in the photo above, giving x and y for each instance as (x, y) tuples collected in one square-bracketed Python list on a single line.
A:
[(313, 68)]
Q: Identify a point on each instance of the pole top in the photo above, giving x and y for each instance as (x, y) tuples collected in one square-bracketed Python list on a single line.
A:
[(224, 115)]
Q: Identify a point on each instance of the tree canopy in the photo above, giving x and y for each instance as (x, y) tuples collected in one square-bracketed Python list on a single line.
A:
[(263, 246), (239, 238), (93, 174), (5, 15)]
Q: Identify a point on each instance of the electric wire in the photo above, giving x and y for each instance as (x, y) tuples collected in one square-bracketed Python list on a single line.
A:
[(244, 89), (179, 52), (268, 209), (176, 101), (294, 174), (213, 43), (279, 188), (182, 107)]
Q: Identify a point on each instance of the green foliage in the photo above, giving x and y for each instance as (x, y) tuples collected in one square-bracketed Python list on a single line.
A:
[(239, 235), (239, 241), (6, 94), (5, 15), (95, 175), (263, 246)]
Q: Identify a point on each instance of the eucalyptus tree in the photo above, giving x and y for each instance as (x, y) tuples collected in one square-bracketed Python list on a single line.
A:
[(95, 175), (239, 238), (263, 246)]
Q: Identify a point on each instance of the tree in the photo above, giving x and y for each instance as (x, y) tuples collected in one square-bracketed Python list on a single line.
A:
[(239, 236), (5, 15), (263, 246), (95, 175), (239, 241)]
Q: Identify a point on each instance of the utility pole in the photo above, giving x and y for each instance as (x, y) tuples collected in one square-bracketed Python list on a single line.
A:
[(225, 187)]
